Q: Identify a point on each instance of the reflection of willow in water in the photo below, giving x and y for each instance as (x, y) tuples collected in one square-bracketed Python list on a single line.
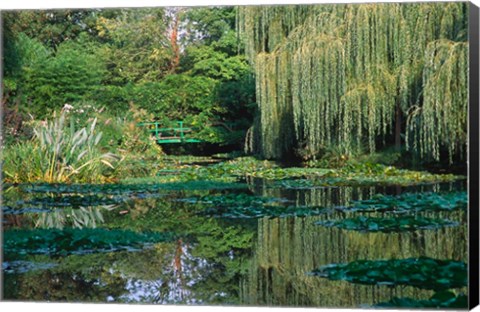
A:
[(289, 248), (341, 196), (323, 197)]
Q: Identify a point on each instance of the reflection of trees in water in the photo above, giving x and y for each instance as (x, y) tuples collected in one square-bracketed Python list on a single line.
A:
[(74, 284), (341, 196), (202, 266), (172, 274), (217, 261), (289, 248)]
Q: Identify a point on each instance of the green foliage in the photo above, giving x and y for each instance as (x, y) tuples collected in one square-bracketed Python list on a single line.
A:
[(441, 122), (68, 76), (58, 153), (245, 206), (116, 58), (53, 27), (388, 225), (411, 202), (369, 174), (425, 273), (24, 53), (335, 157), (299, 177), (140, 187), (137, 47), (177, 96), (262, 212), (210, 26), (76, 241), (335, 75)]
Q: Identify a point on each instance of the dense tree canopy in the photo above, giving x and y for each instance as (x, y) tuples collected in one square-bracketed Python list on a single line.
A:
[(345, 76), (176, 63), (318, 77)]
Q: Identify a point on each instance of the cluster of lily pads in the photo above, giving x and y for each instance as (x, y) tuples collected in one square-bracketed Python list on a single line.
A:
[(425, 273), (244, 206), (67, 241), (388, 225), (238, 169), (411, 202), (403, 211), (402, 215)]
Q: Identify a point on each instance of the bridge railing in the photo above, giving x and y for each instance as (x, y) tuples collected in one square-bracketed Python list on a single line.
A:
[(175, 134)]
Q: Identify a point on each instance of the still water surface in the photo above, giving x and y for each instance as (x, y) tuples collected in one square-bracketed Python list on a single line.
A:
[(215, 259)]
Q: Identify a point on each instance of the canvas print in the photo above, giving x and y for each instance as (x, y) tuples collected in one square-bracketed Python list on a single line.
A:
[(270, 155)]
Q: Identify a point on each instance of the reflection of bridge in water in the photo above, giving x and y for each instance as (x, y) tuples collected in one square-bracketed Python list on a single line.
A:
[(176, 134)]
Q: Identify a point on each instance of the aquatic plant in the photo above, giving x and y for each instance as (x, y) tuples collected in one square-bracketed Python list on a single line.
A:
[(391, 176), (387, 225), (237, 200), (76, 241), (410, 202), (261, 211), (69, 200), (423, 272), (142, 188)]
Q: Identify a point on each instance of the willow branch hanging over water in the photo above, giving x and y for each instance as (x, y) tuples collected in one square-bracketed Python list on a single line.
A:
[(441, 120), (335, 75)]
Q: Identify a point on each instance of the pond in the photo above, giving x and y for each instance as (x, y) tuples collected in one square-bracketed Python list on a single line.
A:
[(254, 242)]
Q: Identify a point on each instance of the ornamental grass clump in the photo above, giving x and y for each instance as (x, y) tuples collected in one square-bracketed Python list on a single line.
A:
[(59, 153)]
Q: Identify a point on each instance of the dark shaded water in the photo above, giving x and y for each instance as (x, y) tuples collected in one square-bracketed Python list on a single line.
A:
[(215, 260)]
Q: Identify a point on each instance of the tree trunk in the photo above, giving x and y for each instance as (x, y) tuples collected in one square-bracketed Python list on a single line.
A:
[(174, 42)]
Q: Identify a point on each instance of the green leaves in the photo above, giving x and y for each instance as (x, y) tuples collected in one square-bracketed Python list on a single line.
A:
[(58, 153), (68, 76), (75, 241), (411, 202), (425, 273), (245, 206), (387, 225), (337, 76)]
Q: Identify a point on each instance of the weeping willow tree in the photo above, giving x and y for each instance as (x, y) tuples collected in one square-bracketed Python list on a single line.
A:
[(441, 120), (348, 76)]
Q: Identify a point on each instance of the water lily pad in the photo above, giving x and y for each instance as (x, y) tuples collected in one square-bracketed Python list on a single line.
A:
[(386, 225), (76, 241), (342, 178), (411, 202), (127, 189), (72, 201), (264, 211), (425, 273)]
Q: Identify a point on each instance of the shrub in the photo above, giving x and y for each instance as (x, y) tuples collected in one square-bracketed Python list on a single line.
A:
[(58, 153)]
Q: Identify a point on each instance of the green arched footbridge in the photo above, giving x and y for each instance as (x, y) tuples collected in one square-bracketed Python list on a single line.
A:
[(174, 134)]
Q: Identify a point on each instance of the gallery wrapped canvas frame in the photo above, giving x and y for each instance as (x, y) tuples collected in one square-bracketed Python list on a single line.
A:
[(310, 155)]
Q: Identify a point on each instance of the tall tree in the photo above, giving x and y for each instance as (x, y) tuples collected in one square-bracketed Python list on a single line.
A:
[(337, 75), (137, 47)]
